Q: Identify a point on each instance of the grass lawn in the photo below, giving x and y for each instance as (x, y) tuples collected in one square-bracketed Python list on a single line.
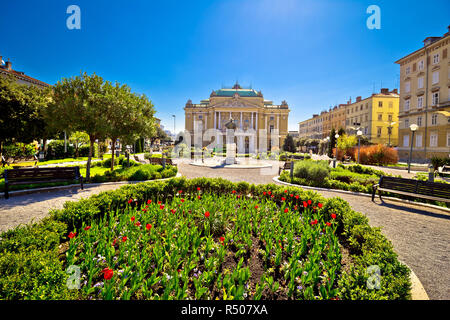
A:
[(31, 163)]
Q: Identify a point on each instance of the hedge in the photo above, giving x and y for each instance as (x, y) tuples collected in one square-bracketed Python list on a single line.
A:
[(32, 266)]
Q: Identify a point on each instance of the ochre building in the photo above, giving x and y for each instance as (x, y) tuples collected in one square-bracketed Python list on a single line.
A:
[(247, 107)]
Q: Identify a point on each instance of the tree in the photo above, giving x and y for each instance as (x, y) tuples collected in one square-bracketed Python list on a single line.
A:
[(160, 135), (332, 143), (79, 139), (129, 116), (78, 104), (346, 142), (21, 112), (289, 144), (341, 131)]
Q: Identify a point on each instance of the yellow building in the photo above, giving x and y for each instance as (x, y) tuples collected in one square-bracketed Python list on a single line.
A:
[(376, 116), (247, 107), (425, 100)]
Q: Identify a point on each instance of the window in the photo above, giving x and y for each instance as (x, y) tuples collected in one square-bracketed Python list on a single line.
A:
[(419, 140), (435, 77), (421, 65), (367, 106), (408, 86), (380, 104), (434, 119), (271, 127), (406, 123), (406, 141), (200, 117), (419, 121), (362, 107), (272, 118), (420, 83), (436, 58), (435, 98), (408, 70), (390, 117), (367, 117), (433, 139), (380, 117), (406, 107), (448, 139), (366, 130), (419, 102), (378, 132), (391, 104)]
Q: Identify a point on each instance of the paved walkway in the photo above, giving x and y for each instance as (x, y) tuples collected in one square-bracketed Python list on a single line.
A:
[(420, 235)]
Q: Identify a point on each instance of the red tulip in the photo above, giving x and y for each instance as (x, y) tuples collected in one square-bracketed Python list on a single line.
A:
[(283, 198), (182, 200), (286, 210), (132, 218), (124, 238), (313, 222), (297, 196), (328, 224), (181, 191), (234, 191), (320, 205), (199, 197), (72, 235), (222, 239), (130, 201), (173, 210), (309, 202), (264, 193), (161, 207), (87, 228), (138, 224), (256, 207), (305, 204), (108, 273), (207, 214), (148, 226), (149, 201), (333, 216), (285, 191), (198, 188), (269, 192), (291, 195)]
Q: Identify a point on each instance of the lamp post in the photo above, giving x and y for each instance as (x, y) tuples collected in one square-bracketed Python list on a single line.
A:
[(390, 126), (359, 134), (174, 132), (335, 157), (413, 129)]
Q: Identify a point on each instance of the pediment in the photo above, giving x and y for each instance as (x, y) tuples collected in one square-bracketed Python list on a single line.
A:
[(236, 102)]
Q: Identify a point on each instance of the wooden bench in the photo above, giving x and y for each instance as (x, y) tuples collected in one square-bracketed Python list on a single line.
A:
[(159, 161), (443, 171), (40, 175), (287, 166), (136, 158), (414, 188)]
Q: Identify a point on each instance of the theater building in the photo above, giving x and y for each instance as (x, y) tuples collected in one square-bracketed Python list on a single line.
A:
[(251, 113)]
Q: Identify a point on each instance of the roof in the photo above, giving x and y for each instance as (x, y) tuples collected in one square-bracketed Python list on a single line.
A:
[(231, 92), (22, 76)]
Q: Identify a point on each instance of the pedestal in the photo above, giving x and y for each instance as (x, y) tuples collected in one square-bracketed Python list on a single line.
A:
[(231, 153)]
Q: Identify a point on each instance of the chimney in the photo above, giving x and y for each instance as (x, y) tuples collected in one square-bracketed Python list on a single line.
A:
[(384, 90), (358, 99), (8, 65), (395, 91)]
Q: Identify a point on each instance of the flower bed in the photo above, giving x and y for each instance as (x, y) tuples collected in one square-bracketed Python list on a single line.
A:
[(201, 239)]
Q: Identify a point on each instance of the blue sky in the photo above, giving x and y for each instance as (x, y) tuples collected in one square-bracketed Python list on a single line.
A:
[(311, 53)]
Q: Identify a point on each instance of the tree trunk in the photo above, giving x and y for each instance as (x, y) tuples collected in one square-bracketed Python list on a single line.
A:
[(88, 165), (113, 151)]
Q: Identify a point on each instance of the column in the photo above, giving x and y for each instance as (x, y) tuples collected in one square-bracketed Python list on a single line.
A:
[(215, 119), (220, 125), (252, 120), (230, 114), (241, 120)]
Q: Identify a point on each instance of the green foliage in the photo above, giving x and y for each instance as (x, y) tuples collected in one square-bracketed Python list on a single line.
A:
[(439, 162), (56, 150), (19, 150), (311, 170), (345, 142), (289, 144)]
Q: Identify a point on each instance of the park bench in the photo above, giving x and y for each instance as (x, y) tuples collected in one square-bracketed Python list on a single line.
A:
[(287, 166), (414, 188), (136, 158), (444, 170), (40, 175), (159, 161)]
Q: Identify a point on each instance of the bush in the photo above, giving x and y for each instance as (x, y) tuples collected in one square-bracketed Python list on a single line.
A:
[(18, 150), (376, 155), (439, 162), (55, 150), (315, 171)]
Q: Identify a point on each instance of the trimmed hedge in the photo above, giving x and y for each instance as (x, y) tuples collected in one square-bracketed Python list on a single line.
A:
[(32, 268)]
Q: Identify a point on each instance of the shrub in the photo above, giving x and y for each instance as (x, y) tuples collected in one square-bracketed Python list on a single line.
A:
[(377, 155), (315, 171), (439, 162), (55, 150)]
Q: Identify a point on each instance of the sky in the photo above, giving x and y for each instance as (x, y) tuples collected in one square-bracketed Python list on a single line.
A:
[(312, 53)]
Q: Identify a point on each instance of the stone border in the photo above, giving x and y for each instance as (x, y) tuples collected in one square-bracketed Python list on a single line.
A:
[(417, 290), (276, 179), (70, 186)]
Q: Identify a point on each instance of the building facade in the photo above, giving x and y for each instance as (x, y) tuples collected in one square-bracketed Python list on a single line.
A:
[(247, 107), (376, 116), (425, 100)]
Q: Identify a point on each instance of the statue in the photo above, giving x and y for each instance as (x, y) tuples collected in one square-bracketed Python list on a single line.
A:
[(231, 146)]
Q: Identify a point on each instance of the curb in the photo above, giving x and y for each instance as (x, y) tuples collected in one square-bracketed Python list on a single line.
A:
[(57, 188), (447, 210), (417, 290)]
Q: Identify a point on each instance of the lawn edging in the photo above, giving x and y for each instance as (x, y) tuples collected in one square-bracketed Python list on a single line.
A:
[(277, 180)]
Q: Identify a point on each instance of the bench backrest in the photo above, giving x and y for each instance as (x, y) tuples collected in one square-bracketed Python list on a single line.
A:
[(435, 189), (35, 174), (160, 161), (287, 165)]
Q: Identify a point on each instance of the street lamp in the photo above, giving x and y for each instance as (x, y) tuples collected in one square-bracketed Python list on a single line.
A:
[(390, 126), (359, 134), (413, 128), (335, 157)]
